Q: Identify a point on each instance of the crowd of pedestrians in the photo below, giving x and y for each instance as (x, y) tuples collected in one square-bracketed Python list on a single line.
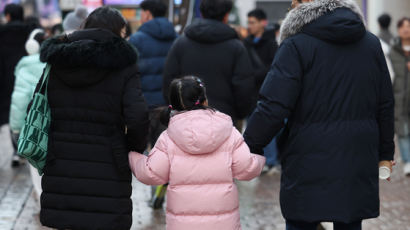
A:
[(306, 102)]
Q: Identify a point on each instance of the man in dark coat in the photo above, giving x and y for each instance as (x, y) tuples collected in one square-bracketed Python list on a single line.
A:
[(261, 44), (211, 50), (13, 36), (153, 41), (330, 79), (98, 115)]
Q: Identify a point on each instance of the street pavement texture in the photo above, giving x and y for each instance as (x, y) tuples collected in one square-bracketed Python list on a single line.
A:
[(259, 200)]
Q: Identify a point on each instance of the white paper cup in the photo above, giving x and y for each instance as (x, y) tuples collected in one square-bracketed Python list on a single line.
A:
[(384, 173)]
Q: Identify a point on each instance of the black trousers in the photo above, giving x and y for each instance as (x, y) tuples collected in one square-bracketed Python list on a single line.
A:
[(296, 225)]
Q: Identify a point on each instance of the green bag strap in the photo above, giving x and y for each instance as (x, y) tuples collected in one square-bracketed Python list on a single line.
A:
[(44, 83)]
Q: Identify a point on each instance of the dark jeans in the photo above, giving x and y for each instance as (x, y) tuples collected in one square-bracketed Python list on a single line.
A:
[(296, 225)]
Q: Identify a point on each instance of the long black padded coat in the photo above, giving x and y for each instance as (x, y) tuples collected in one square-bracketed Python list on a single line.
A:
[(95, 98), (330, 79)]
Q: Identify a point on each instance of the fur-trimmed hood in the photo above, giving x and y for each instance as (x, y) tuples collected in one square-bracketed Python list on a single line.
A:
[(93, 48), (344, 19)]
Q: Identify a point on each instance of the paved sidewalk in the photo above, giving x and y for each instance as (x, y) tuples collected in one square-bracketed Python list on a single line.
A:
[(259, 198)]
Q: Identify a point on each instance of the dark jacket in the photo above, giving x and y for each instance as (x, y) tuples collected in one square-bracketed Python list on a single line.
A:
[(153, 41), (13, 37), (212, 51), (95, 98), (265, 50), (330, 78), (401, 87)]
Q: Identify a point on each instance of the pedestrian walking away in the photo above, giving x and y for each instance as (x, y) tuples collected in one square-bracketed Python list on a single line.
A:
[(211, 50), (199, 155), (98, 115), (340, 112)]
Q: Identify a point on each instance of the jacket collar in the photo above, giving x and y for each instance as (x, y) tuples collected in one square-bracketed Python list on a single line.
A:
[(306, 13)]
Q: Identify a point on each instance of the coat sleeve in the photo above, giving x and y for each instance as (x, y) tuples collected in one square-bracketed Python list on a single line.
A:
[(243, 83), (20, 99), (135, 113), (385, 112), (172, 69), (278, 97), (154, 169), (245, 165)]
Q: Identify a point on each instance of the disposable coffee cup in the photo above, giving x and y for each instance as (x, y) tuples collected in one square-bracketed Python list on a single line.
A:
[(384, 173)]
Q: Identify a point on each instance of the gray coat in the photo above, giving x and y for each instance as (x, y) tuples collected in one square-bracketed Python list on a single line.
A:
[(401, 88)]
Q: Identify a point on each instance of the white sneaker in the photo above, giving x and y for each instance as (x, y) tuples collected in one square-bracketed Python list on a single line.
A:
[(406, 169)]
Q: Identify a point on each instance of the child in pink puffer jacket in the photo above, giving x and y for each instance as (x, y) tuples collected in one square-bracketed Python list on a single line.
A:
[(198, 155)]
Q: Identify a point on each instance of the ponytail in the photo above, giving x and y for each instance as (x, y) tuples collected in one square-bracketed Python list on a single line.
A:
[(165, 115)]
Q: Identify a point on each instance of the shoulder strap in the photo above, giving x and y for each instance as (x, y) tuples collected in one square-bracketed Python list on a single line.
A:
[(45, 77)]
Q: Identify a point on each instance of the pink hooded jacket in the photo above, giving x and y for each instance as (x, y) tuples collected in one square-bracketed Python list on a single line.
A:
[(199, 155)]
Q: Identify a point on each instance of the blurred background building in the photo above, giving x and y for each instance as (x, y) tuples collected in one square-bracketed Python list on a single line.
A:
[(182, 12)]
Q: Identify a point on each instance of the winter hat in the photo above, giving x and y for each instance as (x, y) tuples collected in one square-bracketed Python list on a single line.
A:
[(75, 19), (34, 41)]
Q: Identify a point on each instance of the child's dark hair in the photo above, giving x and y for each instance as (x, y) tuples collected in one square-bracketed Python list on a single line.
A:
[(185, 94)]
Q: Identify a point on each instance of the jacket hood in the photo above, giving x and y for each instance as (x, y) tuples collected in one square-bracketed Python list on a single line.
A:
[(338, 21), (200, 131), (96, 50), (210, 31), (91, 48), (159, 28)]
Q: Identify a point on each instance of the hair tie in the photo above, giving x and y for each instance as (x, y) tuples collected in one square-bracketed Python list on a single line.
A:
[(197, 102), (170, 107)]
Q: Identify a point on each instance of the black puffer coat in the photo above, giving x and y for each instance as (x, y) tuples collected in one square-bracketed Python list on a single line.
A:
[(212, 51), (94, 93), (330, 78)]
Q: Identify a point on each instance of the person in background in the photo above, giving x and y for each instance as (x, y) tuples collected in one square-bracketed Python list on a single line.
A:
[(28, 73), (153, 40), (384, 23), (211, 50), (199, 154), (340, 112), (74, 20), (261, 45), (400, 58), (98, 116), (13, 36)]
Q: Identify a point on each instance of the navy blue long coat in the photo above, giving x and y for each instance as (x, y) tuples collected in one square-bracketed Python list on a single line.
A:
[(153, 41), (331, 80)]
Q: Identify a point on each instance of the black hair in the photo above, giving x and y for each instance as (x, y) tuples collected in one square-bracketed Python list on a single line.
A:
[(215, 9), (106, 18), (185, 94), (156, 7), (258, 14), (384, 21), (402, 21), (32, 21), (40, 37), (15, 11)]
